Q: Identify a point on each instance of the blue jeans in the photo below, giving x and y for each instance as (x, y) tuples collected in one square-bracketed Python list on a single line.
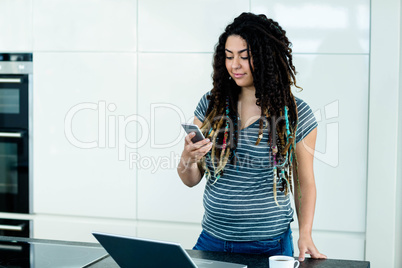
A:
[(279, 245)]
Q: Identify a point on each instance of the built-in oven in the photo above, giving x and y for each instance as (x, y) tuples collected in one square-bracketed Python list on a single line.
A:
[(15, 140)]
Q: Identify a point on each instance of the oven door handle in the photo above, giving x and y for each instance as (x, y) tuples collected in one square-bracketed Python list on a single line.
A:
[(11, 134), (18, 228), (10, 80)]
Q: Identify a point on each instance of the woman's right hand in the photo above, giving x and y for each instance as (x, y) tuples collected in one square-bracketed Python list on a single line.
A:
[(193, 152), (188, 169)]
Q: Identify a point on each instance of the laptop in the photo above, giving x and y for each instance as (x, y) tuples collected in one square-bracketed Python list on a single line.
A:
[(138, 252)]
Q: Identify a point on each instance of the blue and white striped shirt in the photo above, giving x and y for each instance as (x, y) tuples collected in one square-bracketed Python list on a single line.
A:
[(240, 205)]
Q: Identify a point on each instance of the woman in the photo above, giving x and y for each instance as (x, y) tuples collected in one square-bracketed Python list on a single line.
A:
[(249, 156)]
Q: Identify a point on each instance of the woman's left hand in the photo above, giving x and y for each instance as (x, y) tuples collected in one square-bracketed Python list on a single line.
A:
[(306, 245)]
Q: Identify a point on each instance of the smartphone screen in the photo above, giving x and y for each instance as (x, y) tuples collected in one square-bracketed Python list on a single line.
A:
[(193, 128)]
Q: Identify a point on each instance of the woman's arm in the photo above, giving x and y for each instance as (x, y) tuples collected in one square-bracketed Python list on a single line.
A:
[(305, 185), (188, 169)]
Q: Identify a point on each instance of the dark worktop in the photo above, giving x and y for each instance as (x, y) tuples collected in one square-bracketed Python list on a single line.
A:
[(254, 261), (257, 261), (251, 260)]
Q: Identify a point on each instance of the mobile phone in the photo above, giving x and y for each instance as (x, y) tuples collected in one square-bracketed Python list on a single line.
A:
[(193, 128)]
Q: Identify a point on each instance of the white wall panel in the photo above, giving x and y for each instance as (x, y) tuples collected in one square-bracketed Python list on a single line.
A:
[(15, 25), (336, 245), (77, 167), (79, 229), (173, 84), (336, 87), (74, 25), (383, 161), (188, 26), (185, 234), (316, 26)]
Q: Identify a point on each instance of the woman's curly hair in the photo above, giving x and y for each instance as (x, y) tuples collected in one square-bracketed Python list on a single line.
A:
[(273, 75)]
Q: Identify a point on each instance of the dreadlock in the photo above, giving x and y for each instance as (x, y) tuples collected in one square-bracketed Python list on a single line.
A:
[(273, 75)]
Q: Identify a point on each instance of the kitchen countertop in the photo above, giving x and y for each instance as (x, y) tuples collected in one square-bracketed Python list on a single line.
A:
[(105, 261), (254, 261)]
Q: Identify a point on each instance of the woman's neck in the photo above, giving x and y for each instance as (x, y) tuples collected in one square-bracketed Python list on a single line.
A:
[(247, 107), (247, 94)]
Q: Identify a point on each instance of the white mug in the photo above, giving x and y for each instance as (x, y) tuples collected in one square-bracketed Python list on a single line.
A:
[(282, 262)]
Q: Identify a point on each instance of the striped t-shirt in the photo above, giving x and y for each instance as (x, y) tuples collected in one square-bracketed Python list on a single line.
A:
[(240, 205)]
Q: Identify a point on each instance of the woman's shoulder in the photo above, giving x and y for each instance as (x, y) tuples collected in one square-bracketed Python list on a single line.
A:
[(206, 94), (302, 105), (306, 119), (299, 101), (202, 106), (205, 99)]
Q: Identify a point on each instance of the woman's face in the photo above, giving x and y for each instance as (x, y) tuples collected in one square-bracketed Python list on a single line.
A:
[(237, 61)]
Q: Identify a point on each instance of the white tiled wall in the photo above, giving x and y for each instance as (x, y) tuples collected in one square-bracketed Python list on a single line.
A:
[(169, 87), (341, 109), (61, 227), (185, 234), (74, 25), (77, 169), (142, 66), (16, 25), (188, 26), (316, 26), (336, 245)]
